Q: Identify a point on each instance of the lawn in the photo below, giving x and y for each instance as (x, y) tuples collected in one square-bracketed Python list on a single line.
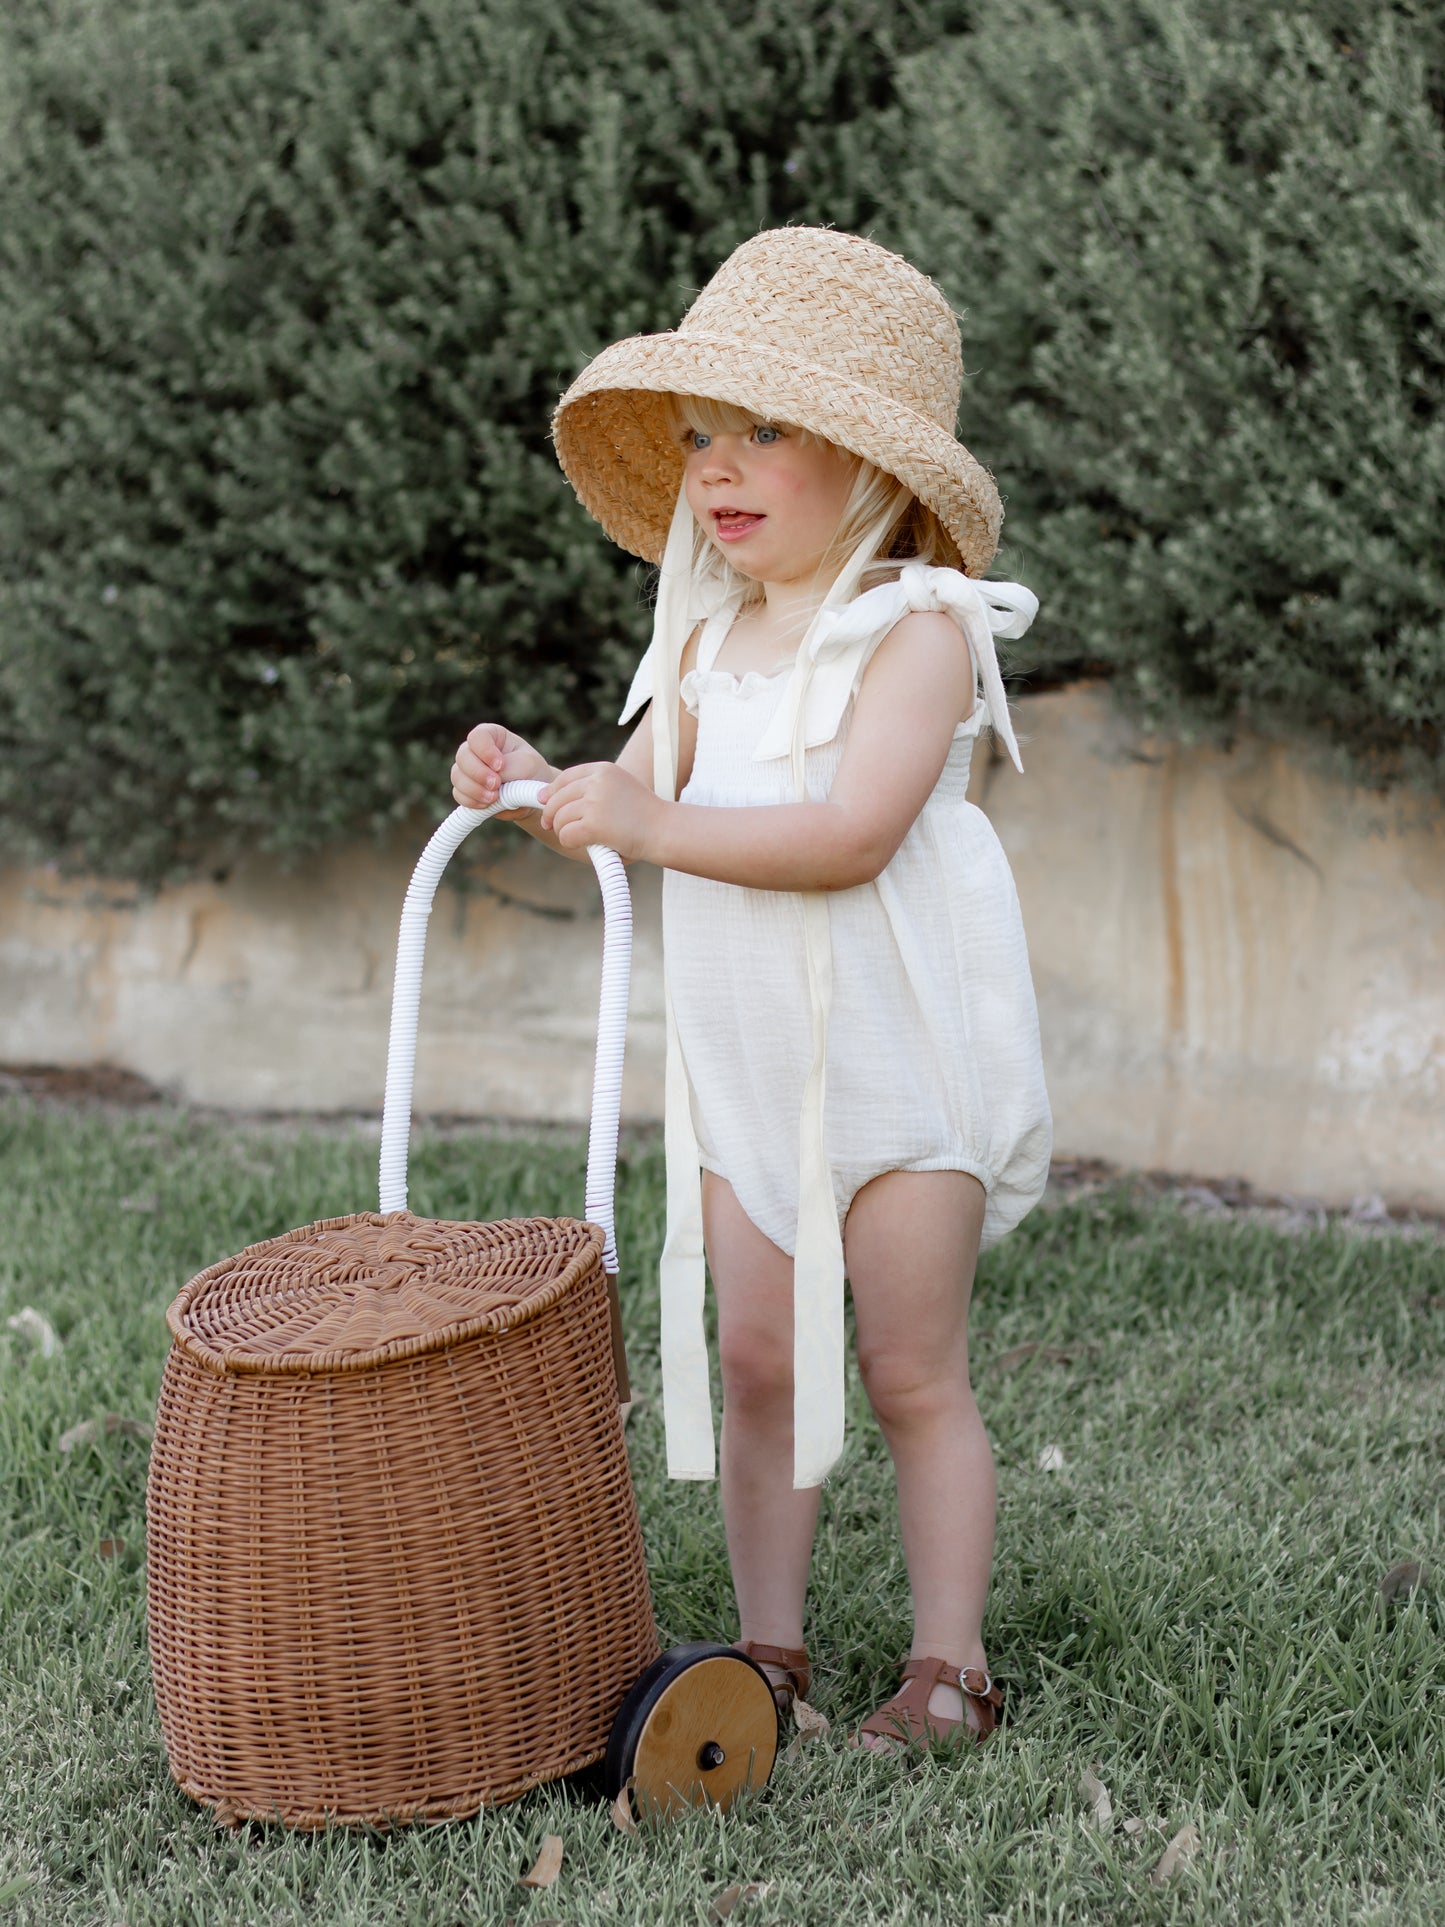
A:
[(1250, 1425)]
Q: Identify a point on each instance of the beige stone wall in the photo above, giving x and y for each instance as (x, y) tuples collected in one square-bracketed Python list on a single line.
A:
[(271, 991), (1240, 968)]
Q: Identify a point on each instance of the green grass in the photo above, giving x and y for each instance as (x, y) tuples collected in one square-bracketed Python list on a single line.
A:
[(1191, 1604)]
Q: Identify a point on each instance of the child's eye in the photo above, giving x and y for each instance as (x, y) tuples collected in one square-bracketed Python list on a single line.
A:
[(766, 433), (696, 439)]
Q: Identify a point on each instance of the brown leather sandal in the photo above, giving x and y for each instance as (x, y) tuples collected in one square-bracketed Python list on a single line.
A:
[(791, 1660), (906, 1717)]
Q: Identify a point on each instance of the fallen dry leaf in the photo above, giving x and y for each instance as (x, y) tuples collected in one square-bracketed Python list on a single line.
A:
[(1101, 1807), (1201, 1198), (111, 1548), (1051, 1459), (811, 1725), (90, 1429), (723, 1903), (548, 1864), (38, 1329), (623, 1818), (1133, 1826), (1184, 1843), (1036, 1348), (1369, 1210), (1400, 1581)]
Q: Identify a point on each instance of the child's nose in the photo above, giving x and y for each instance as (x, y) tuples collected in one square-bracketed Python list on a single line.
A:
[(720, 460)]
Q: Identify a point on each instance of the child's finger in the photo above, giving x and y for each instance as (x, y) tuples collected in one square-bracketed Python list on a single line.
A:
[(473, 785), (480, 782), (477, 763), (565, 822)]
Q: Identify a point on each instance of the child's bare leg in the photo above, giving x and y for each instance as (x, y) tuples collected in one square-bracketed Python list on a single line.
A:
[(912, 1243), (769, 1525)]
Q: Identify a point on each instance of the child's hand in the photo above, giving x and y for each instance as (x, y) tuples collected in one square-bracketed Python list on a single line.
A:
[(600, 803), (488, 758)]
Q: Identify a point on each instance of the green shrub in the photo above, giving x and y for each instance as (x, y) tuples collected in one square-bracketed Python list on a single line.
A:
[(286, 296), (1202, 249)]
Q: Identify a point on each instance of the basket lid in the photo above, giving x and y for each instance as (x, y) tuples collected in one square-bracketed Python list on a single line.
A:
[(348, 1293)]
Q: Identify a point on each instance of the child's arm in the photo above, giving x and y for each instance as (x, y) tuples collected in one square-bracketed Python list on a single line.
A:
[(916, 690)]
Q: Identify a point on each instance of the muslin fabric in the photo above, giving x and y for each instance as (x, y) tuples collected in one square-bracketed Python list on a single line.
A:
[(919, 995)]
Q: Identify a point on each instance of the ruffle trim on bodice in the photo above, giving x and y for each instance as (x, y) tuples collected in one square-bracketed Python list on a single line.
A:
[(700, 682)]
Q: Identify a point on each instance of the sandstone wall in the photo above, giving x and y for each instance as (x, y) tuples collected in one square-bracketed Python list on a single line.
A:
[(1240, 968)]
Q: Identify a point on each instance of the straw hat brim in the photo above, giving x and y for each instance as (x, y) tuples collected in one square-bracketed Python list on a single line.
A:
[(615, 441)]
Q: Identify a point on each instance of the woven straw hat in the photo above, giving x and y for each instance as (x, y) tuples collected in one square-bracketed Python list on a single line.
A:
[(807, 326)]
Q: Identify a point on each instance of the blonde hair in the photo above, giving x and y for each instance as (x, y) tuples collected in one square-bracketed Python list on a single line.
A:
[(904, 529)]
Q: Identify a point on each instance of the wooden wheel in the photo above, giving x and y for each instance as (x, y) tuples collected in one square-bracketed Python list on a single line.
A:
[(699, 1726)]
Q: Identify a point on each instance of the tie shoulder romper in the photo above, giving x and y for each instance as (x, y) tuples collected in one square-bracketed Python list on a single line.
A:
[(932, 1059)]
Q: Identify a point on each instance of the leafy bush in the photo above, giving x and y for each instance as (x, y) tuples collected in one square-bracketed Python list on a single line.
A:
[(286, 297), (1202, 250), (287, 294)]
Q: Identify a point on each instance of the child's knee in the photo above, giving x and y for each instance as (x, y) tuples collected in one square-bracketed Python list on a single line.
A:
[(757, 1371), (909, 1389)]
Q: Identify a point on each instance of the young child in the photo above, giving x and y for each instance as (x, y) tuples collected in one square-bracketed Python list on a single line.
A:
[(853, 1052)]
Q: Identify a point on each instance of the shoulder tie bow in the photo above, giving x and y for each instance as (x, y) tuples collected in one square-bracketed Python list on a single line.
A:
[(843, 639)]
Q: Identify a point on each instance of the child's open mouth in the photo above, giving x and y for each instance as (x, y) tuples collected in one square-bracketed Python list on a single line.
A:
[(732, 524)]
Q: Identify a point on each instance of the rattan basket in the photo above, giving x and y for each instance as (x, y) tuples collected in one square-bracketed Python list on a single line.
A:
[(395, 1566)]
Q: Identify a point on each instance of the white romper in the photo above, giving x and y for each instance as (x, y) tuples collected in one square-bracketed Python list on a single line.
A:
[(932, 1059)]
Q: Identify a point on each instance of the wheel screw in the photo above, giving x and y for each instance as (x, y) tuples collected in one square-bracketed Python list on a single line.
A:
[(710, 1754)]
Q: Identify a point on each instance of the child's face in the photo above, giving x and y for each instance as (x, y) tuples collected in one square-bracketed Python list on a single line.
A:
[(770, 501)]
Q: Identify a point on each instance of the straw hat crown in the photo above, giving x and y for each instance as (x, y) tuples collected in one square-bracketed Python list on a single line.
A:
[(867, 315), (822, 330)]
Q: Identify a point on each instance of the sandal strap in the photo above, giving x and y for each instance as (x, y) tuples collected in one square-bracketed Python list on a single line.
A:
[(906, 1715), (972, 1681), (793, 1660)]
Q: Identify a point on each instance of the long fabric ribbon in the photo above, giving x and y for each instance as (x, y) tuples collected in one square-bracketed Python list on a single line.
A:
[(818, 1348), (682, 1276)]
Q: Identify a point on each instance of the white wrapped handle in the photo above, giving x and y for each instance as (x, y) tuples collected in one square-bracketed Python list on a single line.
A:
[(611, 1015)]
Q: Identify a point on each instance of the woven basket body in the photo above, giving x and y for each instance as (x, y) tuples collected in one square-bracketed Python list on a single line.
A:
[(395, 1567)]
